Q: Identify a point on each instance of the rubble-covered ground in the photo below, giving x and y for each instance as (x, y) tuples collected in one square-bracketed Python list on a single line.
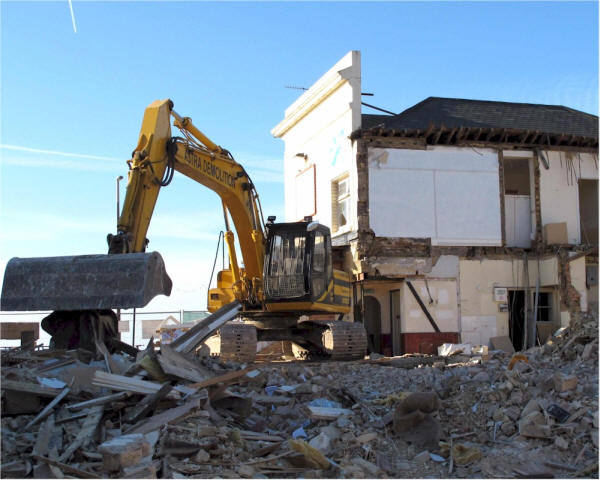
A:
[(530, 415)]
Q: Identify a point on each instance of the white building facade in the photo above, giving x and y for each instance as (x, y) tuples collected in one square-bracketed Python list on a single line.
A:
[(460, 220)]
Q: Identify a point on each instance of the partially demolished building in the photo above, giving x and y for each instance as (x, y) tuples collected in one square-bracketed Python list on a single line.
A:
[(461, 220)]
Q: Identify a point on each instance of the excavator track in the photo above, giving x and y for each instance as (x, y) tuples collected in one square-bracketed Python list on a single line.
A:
[(345, 340), (337, 341), (238, 342)]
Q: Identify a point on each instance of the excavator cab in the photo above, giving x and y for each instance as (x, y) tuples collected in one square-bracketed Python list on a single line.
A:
[(298, 265)]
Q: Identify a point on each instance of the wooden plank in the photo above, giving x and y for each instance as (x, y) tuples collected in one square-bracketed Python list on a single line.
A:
[(77, 416), (87, 430), (12, 330), (271, 399), (43, 436), (67, 468), (326, 413), (256, 436), (121, 382), (48, 409), (98, 401), (31, 388), (147, 404), (157, 421), (227, 377), (175, 363), (53, 365), (205, 327)]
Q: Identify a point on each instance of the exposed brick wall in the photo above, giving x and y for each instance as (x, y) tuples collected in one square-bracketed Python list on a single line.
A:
[(569, 296), (502, 209), (399, 247), (365, 234), (538, 242), (368, 245)]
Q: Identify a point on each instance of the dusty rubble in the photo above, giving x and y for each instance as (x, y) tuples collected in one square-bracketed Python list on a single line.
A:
[(532, 414)]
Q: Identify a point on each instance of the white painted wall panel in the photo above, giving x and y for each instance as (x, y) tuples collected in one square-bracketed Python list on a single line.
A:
[(411, 212), (467, 208), (477, 330), (448, 194), (517, 212)]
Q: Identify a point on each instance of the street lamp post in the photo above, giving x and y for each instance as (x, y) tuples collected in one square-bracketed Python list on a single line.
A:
[(119, 178)]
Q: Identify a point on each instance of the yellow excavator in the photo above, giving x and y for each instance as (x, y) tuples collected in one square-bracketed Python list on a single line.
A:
[(287, 279)]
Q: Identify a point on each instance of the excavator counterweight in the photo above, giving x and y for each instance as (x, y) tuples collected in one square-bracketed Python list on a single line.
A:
[(84, 282)]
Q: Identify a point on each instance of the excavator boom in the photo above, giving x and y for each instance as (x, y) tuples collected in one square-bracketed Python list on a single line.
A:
[(287, 268)]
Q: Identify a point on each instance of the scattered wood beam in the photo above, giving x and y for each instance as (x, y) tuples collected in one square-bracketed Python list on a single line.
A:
[(98, 401), (46, 411), (87, 430), (148, 404), (67, 468)]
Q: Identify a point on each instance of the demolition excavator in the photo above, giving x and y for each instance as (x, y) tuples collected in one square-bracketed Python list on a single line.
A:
[(286, 282)]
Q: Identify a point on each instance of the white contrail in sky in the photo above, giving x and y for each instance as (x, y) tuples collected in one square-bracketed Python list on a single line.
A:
[(20, 148), (72, 16)]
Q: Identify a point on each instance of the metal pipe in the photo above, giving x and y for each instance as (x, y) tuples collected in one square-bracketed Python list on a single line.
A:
[(133, 333)]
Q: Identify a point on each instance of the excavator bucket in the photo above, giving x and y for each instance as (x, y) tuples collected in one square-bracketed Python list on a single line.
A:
[(84, 282)]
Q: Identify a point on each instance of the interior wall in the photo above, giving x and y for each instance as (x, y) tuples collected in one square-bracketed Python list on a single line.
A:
[(559, 190), (481, 317), (448, 194), (442, 306)]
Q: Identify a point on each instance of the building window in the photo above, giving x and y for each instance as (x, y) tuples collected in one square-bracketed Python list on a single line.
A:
[(544, 311), (340, 203), (517, 202)]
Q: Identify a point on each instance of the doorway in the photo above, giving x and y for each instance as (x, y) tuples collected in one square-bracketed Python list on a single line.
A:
[(588, 211), (516, 318), (517, 202), (373, 323), (395, 321)]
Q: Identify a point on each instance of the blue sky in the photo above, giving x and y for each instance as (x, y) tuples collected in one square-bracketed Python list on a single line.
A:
[(72, 103)]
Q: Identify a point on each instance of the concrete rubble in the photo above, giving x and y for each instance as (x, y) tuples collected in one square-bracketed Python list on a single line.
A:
[(530, 414)]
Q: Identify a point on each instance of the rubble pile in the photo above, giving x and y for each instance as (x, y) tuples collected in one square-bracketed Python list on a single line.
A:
[(158, 414)]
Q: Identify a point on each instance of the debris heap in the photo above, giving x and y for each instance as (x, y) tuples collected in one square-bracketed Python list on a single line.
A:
[(169, 415)]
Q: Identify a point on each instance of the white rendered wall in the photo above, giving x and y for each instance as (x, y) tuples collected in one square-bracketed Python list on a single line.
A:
[(318, 125), (559, 192), (446, 193), (443, 309), (480, 318)]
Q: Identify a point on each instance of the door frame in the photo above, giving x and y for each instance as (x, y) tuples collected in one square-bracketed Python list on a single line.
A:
[(396, 343)]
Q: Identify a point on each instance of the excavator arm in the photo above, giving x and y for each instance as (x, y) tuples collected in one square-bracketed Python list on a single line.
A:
[(155, 158)]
